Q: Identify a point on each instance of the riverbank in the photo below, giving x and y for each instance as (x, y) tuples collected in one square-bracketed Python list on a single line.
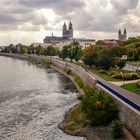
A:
[(78, 128), (62, 71)]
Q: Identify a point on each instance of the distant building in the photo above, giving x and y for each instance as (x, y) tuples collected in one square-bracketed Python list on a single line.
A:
[(67, 33), (107, 42), (84, 43), (67, 38), (122, 36), (19, 48)]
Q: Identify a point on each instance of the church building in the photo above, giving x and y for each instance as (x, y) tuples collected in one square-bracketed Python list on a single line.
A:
[(122, 36), (67, 38)]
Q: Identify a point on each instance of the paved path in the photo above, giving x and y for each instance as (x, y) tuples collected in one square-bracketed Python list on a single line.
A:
[(120, 83)]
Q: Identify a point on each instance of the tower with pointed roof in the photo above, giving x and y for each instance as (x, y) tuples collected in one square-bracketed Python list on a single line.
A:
[(64, 30), (122, 36), (67, 33), (70, 30)]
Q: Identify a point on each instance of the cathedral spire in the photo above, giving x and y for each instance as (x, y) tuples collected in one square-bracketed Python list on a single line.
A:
[(64, 26), (70, 25), (119, 31), (125, 31)]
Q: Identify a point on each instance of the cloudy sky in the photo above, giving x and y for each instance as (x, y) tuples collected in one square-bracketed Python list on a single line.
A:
[(28, 21)]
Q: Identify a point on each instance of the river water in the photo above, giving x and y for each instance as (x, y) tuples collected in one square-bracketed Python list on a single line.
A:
[(33, 100)]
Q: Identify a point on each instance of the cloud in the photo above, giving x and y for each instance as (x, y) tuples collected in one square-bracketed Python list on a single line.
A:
[(89, 17)]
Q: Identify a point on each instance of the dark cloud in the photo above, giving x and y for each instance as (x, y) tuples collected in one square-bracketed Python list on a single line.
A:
[(86, 15), (123, 6)]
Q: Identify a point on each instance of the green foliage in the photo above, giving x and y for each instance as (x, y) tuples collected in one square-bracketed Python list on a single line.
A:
[(68, 71), (98, 107), (65, 52), (79, 81), (126, 76), (72, 51), (117, 76), (121, 63), (103, 71), (117, 129), (105, 59), (51, 51), (90, 56)]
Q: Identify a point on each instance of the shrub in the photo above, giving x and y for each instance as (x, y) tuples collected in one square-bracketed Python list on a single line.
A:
[(127, 76), (134, 76), (121, 63), (68, 71), (99, 108), (138, 84), (131, 76), (102, 71), (79, 81), (117, 76), (117, 129), (113, 72)]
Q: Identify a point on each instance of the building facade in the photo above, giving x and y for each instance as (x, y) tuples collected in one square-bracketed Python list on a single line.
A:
[(122, 36), (67, 33)]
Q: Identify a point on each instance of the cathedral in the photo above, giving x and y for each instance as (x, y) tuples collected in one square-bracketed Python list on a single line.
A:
[(122, 36), (66, 38), (68, 33)]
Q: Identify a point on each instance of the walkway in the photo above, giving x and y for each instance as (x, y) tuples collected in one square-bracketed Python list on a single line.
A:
[(120, 83)]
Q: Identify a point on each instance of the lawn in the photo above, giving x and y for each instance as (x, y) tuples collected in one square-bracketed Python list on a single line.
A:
[(133, 62), (104, 76), (132, 88)]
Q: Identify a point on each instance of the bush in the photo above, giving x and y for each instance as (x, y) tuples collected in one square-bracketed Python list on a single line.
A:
[(68, 71), (131, 76), (102, 71), (138, 84), (117, 129), (134, 76), (127, 76), (117, 76), (99, 108), (79, 81), (113, 72)]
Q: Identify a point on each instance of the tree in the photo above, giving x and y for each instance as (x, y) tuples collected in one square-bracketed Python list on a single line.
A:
[(42, 51), (98, 107), (105, 60), (51, 51), (64, 53), (121, 63), (90, 56)]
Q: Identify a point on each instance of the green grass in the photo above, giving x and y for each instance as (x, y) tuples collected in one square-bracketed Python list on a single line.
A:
[(133, 87), (105, 76), (133, 62)]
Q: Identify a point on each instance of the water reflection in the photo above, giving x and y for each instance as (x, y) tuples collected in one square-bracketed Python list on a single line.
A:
[(33, 101)]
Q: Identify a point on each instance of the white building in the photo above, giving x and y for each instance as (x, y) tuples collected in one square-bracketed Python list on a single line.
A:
[(84, 43)]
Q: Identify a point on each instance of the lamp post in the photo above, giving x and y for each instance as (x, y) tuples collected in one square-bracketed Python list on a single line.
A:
[(122, 74)]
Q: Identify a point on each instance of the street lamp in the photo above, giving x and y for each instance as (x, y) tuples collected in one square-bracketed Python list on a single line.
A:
[(122, 74)]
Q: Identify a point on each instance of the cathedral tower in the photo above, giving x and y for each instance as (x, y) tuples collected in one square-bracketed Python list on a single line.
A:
[(64, 30), (67, 33), (122, 36), (70, 30)]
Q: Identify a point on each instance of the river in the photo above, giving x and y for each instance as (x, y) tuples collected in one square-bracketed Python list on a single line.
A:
[(33, 101)]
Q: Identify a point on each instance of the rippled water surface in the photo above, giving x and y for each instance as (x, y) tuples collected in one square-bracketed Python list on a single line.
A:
[(33, 101)]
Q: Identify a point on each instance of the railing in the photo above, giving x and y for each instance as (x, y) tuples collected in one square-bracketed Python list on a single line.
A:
[(131, 103)]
